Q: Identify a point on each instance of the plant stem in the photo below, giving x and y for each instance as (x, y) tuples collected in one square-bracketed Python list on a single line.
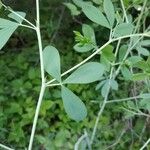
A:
[(124, 11), (148, 141), (137, 113), (126, 55), (43, 86), (140, 16), (76, 147), (26, 26), (124, 99), (36, 116), (5, 147), (106, 97), (98, 116), (27, 21), (40, 53), (117, 141), (87, 140)]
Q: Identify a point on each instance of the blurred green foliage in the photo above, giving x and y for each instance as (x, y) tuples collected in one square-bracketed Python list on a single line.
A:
[(20, 85)]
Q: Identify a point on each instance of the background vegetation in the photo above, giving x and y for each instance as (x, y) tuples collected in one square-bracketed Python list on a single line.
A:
[(20, 85)]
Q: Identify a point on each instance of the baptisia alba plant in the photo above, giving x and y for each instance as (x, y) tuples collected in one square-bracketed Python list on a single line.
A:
[(116, 58)]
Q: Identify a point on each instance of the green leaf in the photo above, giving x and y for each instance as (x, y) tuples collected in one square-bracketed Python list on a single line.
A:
[(105, 88), (142, 65), (87, 73), (81, 38), (5, 34), (52, 62), (134, 59), (1, 4), (123, 29), (109, 11), (105, 62), (143, 51), (98, 2), (83, 48), (17, 18), (72, 8), (107, 52), (140, 76), (73, 105), (106, 84), (122, 52), (86, 41), (148, 63), (6, 30), (99, 85), (145, 95), (4, 23), (80, 3), (126, 73), (145, 43), (113, 84), (145, 104), (95, 15), (46, 105), (89, 33)]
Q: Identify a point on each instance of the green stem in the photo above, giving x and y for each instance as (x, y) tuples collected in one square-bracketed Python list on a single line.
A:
[(124, 99), (43, 86), (148, 141), (36, 116), (5, 147), (27, 21), (140, 16), (124, 11)]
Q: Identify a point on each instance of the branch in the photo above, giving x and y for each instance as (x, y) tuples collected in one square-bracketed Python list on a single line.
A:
[(97, 51), (5, 147), (148, 141)]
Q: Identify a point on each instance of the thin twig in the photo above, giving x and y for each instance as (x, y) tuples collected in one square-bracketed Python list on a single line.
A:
[(117, 141), (76, 147), (124, 11), (140, 16), (148, 141), (87, 140), (26, 26), (123, 100), (5, 147), (137, 113), (58, 25), (8, 8)]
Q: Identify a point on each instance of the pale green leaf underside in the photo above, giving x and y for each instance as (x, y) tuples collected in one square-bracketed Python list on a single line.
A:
[(84, 48), (145, 95), (89, 33), (52, 62), (72, 8), (8, 27), (109, 11), (80, 3), (87, 73), (126, 73), (4, 23), (17, 18), (73, 105), (123, 29), (5, 34), (95, 15)]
